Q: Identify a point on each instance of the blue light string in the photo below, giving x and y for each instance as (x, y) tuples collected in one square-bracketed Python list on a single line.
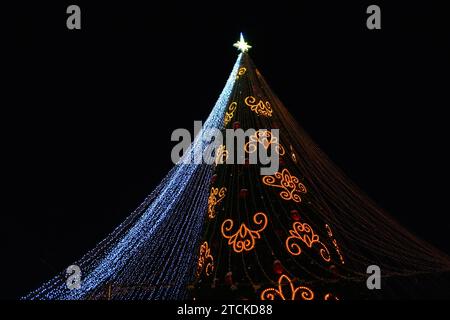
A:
[(152, 254)]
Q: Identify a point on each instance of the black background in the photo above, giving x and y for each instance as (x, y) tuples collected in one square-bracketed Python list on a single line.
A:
[(88, 114)]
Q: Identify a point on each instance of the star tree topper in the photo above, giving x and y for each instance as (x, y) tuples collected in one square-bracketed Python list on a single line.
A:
[(242, 45)]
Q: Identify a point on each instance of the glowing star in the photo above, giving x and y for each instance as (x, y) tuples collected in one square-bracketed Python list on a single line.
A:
[(242, 45)]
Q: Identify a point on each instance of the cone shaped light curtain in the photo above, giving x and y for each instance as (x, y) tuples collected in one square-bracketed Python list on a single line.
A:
[(226, 231)]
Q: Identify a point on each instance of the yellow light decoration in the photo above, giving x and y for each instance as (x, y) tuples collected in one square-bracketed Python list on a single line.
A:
[(230, 113), (293, 155), (241, 72), (304, 233), (291, 185), (330, 233), (287, 291), (215, 196), (205, 260), (265, 138), (336, 246), (330, 296), (260, 107), (244, 239), (221, 155)]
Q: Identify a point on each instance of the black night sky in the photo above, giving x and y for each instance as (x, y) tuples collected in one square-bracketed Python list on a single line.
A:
[(88, 114)]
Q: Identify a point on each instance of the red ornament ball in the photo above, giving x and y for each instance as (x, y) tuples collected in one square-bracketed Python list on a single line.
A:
[(277, 267), (236, 125), (295, 215), (229, 278), (243, 193)]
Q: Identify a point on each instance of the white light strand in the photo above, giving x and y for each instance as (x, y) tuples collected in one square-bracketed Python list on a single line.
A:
[(151, 254)]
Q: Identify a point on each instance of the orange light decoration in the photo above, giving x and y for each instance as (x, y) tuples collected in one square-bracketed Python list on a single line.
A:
[(241, 72), (205, 260), (287, 291), (336, 246), (215, 196), (221, 155), (330, 296), (230, 113), (265, 138), (330, 233), (244, 239), (260, 107), (291, 185), (293, 155), (304, 233)]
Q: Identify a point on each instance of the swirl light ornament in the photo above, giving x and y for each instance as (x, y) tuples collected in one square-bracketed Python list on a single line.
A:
[(287, 291), (241, 72), (293, 154), (221, 155), (205, 260), (215, 197), (259, 107), (244, 239), (291, 185), (265, 138), (230, 113), (304, 233), (335, 244)]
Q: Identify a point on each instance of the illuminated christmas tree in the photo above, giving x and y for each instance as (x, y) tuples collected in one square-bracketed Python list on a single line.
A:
[(305, 232), (224, 230)]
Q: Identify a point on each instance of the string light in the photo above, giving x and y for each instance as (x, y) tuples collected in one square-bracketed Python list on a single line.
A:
[(366, 234), (335, 244), (154, 253), (150, 255)]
